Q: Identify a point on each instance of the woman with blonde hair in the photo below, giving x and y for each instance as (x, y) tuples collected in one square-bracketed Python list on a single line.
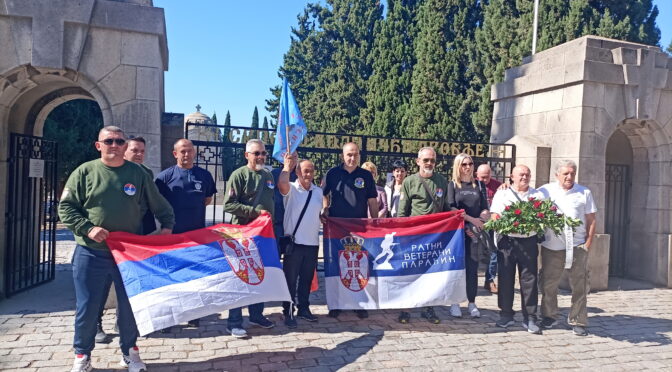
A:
[(467, 193), (382, 197)]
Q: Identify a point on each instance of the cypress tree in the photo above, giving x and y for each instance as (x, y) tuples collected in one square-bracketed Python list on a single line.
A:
[(265, 125), (255, 118), (227, 119), (214, 117), (389, 88)]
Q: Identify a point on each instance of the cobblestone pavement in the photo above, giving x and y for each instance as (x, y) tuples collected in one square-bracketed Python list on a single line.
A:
[(630, 329)]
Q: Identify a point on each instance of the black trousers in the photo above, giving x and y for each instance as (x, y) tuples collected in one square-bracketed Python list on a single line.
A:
[(299, 268), (471, 267), (521, 253)]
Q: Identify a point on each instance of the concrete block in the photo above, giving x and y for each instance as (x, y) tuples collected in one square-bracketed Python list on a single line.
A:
[(119, 85), (521, 105), (502, 90), (502, 130), (631, 74), (8, 58), (603, 72), (565, 121), (140, 50), (102, 53), (74, 37), (574, 71), (624, 56), (664, 112), (138, 116), (572, 96), (566, 144), (599, 55), (148, 83), (593, 94), (531, 124), (547, 101), (22, 31), (503, 109)]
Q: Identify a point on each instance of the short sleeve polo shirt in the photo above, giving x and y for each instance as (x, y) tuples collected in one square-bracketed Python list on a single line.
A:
[(349, 192), (186, 190)]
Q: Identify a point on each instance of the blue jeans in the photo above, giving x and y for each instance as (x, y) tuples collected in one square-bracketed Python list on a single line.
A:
[(491, 272), (236, 315), (92, 271)]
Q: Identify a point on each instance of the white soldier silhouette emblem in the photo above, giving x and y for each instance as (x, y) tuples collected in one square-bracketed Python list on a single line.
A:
[(386, 245)]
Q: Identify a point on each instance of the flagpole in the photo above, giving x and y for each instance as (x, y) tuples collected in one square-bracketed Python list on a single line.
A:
[(534, 26), (287, 136)]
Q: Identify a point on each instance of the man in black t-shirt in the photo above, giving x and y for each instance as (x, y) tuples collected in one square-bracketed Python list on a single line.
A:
[(349, 192)]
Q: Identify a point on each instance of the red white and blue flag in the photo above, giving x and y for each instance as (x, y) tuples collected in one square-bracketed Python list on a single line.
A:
[(395, 263), (171, 279)]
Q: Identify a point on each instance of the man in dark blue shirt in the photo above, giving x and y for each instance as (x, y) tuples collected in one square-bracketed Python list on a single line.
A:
[(188, 189), (349, 192)]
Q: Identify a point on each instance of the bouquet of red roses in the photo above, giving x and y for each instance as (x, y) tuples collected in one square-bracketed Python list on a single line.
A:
[(533, 215)]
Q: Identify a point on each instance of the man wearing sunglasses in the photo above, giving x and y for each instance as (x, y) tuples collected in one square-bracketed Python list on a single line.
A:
[(423, 193), (189, 189), (249, 193), (100, 196)]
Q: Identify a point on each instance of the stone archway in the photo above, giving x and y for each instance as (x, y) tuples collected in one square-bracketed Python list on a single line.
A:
[(572, 99), (53, 51)]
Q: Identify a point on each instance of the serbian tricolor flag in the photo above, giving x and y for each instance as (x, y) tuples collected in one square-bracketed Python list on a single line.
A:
[(395, 263), (171, 279)]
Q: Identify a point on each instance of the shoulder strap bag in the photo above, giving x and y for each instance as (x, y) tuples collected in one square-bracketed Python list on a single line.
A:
[(435, 202), (286, 242)]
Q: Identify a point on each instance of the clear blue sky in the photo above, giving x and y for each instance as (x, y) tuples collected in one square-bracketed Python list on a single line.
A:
[(225, 54)]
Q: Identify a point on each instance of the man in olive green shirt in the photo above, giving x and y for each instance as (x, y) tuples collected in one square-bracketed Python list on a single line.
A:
[(249, 193), (104, 195), (421, 194)]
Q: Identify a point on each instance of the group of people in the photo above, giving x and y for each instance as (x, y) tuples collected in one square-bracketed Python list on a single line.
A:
[(118, 193)]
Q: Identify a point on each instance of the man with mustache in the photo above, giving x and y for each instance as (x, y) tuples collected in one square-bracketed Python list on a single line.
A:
[(249, 193)]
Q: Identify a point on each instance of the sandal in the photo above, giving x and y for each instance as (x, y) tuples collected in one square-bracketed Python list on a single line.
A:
[(404, 317)]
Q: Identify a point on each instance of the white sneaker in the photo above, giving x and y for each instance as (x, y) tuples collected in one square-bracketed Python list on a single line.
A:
[(455, 310), (82, 363), (133, 361), (473, 310), (237, 332)]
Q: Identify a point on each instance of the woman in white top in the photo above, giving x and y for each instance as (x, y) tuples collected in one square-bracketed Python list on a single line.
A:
[(393, 188)]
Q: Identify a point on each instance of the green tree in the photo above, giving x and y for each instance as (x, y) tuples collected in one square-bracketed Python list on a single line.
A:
[(265, 125), (214, 117), (227, 119), (389, 88), (74, 125), (255, 118), (669, 48)]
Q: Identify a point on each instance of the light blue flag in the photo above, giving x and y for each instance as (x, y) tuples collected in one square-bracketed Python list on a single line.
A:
[(290, 124)]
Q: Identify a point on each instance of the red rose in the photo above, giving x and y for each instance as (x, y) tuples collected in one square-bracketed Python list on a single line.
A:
[(531, 198), (507, 208), (516, 223), (540, 215), (518, 212), (554, 208), (537, 204)]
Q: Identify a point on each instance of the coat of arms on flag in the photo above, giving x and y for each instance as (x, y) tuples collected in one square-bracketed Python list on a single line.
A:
[(395, 263), (170, 279)]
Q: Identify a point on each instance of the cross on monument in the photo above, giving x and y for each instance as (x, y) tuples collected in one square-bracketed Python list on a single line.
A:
[(198, 108)]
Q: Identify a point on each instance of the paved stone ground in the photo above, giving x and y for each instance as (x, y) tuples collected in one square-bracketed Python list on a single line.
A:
[(630, 326)]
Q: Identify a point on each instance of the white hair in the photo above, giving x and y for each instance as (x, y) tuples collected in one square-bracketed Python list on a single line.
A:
[(248, 145), (426, 148), (565, 163)]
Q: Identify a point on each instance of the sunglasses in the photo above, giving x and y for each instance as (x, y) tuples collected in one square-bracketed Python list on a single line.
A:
[(258, 153), (429, 160), (467, 164), (110, 141)]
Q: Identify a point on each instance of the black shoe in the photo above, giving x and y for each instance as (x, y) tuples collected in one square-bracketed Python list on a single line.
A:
[(262, 322), (362, 314), (430, 315), (505, 322), (306, 315), (334, 313), (579, 331), (290, 322), (548, 323), (194, 323), (101, 336), (404, 317)]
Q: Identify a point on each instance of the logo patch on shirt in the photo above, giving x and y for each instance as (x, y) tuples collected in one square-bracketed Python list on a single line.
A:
[(129, 189), (359, 182), (270, 184), (439, 192), (197, 185)]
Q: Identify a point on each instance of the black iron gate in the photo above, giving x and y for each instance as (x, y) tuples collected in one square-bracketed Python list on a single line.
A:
[(616, 214), (31, 213), (220, 149)]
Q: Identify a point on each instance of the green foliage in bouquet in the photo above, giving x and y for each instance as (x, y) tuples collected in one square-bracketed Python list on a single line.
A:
[(533, 215)]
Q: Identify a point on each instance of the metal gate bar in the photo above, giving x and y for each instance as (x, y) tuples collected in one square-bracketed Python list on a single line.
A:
[(616, 214), (30, 226)]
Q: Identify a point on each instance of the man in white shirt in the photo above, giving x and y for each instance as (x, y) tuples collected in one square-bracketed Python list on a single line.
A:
[(299, 264), (576, 201), (517, 250)]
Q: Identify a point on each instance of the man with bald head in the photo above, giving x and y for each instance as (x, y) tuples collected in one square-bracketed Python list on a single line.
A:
[(484, 174), (349, 192), (517, 251), (102, 196), (188, 189)]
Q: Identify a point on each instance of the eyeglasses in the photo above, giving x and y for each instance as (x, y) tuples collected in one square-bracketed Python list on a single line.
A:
[(467, 164), (429, 160), (258, 153), (110, 141)]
